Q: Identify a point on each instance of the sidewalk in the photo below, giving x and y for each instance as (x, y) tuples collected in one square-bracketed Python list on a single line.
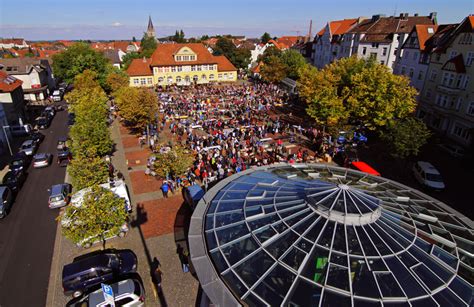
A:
[(157, 227)]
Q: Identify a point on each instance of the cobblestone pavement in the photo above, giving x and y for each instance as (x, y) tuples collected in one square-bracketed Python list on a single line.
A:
[(158, 228)]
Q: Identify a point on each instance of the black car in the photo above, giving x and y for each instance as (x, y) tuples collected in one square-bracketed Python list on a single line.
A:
[(20, 161), (95, 268), (64, 156), (37, 137), (43, 122), (71, 119), (14, 179)]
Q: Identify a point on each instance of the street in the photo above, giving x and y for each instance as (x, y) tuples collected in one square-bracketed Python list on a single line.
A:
[(27, 234)]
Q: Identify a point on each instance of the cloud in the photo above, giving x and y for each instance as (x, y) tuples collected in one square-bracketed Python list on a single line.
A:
[(116, 24)]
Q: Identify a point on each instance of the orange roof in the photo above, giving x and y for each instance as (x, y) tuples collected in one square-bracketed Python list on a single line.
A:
[(339, 27), (256, 69), (278, 44), (164, 54), (471, 21), (223, 64), (47, 53), (288, 40), (8, 83), (321, 32), (140, 67), (423, 33), (17, 41)]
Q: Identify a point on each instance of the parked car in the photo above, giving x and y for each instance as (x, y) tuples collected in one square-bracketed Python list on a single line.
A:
[(57, 96), (14, 179), (37, 137), (127, 292), (42, 160), (6, 200), (28, 147), (98, 267), (21, 130), (64, 157), (426, 174), (61, 144), (51, 110), (43, 122), (71, 119), (59, 195), (20, 161)]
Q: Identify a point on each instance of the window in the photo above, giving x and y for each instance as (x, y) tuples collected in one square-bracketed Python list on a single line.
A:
[(203, 77), (211, 77), (364, 50), (382, 62), (403, 70), (193, 67), (466, 38), (375, 45), (136, 81), (466, 82), (199, 67), (166, 69), (469, 58), (192, 58), (220, 76), (415, 56), (149, 80), (142, 81), (187, 79), (384, 51), (420, 75), (160, 79), (195, 78), (452, 54), (428, 93), (458, 81), (173, 68), (180, 68), (178, 58), (461, 131), (395, 51), (433, 75), (225, 75), (458, 103), (156, 70), (470, 109), (411, 72), (178, 79), (170, 79)]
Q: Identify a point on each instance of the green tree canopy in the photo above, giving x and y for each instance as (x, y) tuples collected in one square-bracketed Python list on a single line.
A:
[(128, 58), (78, 58), (86, 171), (175, 162), (148, 46), (274, 70), (137, 106), (354, 91), (270, 51), (406, 137), (101, 215), (240, 57), (294, 62), (265, 38), (116, 80)]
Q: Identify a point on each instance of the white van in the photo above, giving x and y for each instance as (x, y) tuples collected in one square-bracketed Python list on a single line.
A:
[(57, 96), (426, 174)]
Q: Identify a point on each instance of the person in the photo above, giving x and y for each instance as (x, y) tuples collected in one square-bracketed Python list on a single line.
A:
[(157, 277), (165, 188)]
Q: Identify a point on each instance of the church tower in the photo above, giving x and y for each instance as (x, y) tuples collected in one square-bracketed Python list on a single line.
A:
[(150, 31)]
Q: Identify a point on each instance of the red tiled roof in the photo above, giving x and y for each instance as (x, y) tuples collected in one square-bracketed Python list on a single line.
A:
[(223, 64), (8, 83), (288, 40), (471, 21), (140, 67), (164, 55), (17, 41), (278, 44), (423, 34), (256, 69), (341, 26), (321, 32)]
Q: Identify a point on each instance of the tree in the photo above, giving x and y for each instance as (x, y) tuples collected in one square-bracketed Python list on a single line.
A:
[(224, 46), (174, 162), (355, 91), (128, 58), (134, 39), (406, 137), (240, 57), (87, 171), (270, 51), (274, 70), (100, 215), (294, 62), (78, 58), (265, 38), (116, 80), (137, 106), (148, 45)]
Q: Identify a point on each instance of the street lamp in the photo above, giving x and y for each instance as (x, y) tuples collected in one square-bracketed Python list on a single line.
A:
[(8, 141)]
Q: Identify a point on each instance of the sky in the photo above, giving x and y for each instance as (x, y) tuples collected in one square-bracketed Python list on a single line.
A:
[(119, 19)]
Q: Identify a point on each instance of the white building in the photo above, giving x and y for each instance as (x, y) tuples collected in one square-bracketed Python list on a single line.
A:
[(413, 59), (8, 43)]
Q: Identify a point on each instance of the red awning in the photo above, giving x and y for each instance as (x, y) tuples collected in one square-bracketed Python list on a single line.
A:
[(364, 167)]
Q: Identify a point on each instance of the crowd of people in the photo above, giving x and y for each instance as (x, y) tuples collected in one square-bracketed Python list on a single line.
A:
[(231, 128)]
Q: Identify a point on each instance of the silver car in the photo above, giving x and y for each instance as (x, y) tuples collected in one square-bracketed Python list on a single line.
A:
[(28, 147), (42, 160), (59, 195)]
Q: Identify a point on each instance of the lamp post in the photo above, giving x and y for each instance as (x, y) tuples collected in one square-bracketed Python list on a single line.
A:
[(8, 141)]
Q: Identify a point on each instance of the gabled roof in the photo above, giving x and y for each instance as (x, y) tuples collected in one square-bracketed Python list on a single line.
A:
[(288, 40), (140, 67), (112, 55), (23, 65), (16, 41), (455, 64), (440, 41), (388, 25), (338, 27), (164, 54), (8, 83), (424, 32), (223, 64)]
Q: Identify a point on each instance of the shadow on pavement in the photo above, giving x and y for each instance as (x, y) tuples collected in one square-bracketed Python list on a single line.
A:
[(181, 227)]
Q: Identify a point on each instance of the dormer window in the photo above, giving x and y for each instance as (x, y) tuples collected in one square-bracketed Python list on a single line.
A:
[(185, 55)]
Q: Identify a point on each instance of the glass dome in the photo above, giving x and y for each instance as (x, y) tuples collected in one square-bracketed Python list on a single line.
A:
[(310, 235)]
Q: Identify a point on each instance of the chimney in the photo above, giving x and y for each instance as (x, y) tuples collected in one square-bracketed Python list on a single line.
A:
[(376, 17), (401, 15), (433, 16), (310, 29), (144, 59), (416, 15)]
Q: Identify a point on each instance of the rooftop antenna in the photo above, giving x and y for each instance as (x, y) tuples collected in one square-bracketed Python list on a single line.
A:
[(395, 11)]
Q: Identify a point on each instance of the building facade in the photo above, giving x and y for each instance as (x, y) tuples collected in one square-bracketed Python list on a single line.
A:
[(181, 64), (447, 99), (8, 43), (413, 59), (36, 74)]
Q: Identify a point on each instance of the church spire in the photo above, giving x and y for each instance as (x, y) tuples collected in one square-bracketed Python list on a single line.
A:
[(150, 31)]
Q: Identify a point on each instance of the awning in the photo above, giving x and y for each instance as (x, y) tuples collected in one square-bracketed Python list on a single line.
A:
[(364, 167)]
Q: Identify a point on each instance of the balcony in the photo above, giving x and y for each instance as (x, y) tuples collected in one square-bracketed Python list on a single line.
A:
[(448, 90)]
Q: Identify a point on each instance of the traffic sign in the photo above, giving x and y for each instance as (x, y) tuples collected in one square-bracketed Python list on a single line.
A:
[(108, 294)]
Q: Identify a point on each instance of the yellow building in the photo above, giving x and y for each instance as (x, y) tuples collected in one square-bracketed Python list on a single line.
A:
[(181, 64)]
